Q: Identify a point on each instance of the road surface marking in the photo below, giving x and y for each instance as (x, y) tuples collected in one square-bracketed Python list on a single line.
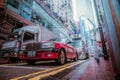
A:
[(17, 64), (53, 71), (14, 64), (24, 67)]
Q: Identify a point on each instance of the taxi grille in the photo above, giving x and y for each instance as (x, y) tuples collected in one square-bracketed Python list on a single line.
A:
[(33, 47)]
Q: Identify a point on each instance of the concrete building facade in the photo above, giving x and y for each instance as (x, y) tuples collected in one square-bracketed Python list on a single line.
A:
[(18, 13), (109, 19), (63, 10)]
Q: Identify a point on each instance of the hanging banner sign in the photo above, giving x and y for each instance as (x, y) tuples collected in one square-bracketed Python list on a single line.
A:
[(2, 3)]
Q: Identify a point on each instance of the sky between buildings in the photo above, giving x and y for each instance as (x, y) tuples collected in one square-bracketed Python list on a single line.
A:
[(82, 8)]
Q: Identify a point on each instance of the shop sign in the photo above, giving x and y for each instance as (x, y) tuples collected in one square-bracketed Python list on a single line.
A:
[(2, 3), (26, 12)]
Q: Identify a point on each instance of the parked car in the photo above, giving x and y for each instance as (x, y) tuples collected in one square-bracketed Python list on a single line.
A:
[(54, 49), (84, 53), (9, 49), (19, 38), (82, 49)]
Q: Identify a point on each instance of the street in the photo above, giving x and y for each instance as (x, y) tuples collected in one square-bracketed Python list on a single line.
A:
[(41, 70), (59, 39)]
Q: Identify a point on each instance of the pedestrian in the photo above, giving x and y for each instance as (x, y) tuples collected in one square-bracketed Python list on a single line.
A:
[(97, 55)]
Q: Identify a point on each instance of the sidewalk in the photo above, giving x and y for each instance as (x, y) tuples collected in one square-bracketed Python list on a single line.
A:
[(98, 71)]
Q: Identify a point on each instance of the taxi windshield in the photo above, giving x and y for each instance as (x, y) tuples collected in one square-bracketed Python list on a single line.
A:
[(58, 39)]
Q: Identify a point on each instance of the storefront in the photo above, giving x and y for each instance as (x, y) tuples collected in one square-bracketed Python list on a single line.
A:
[(10, 20), (2, 3)]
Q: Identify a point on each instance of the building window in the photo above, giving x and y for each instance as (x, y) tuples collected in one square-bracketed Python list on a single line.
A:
[(14, 3), (50, 27), (119, 2), (29, 1)]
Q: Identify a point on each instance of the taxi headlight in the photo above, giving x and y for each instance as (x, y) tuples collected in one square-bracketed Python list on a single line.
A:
[(48, 45)]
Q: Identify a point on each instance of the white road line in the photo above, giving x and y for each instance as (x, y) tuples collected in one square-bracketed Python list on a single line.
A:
[(35, 68), (17, 64), (13, 64)]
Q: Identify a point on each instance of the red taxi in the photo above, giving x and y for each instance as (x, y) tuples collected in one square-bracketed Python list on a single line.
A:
[(54, 49)]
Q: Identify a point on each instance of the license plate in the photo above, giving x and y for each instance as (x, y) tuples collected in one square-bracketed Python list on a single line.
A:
[(31, 53)]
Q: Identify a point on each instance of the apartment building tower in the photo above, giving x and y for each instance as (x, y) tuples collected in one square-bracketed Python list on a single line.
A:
[(63, 10)]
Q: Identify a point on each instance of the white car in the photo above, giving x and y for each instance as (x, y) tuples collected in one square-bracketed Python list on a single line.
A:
[(81, 48)]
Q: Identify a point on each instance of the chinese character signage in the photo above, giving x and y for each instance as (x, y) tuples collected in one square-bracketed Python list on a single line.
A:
[(26, 12)]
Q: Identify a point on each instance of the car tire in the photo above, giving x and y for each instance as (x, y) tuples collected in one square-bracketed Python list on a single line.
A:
[(87, 55), (61, 59), (14, 59), (30, 62), (8, 60)]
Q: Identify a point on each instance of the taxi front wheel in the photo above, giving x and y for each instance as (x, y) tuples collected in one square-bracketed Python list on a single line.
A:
[(30, 62), (61, 58)]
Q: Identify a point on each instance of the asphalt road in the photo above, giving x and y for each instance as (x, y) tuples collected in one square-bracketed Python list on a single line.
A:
[(43, 71)]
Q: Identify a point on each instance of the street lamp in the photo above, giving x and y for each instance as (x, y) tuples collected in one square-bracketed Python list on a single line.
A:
[(106, 57), (99, 17)]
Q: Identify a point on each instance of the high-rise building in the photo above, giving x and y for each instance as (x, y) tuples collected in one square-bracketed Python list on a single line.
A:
[(63, 10), (14, 14), (108, 16)]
